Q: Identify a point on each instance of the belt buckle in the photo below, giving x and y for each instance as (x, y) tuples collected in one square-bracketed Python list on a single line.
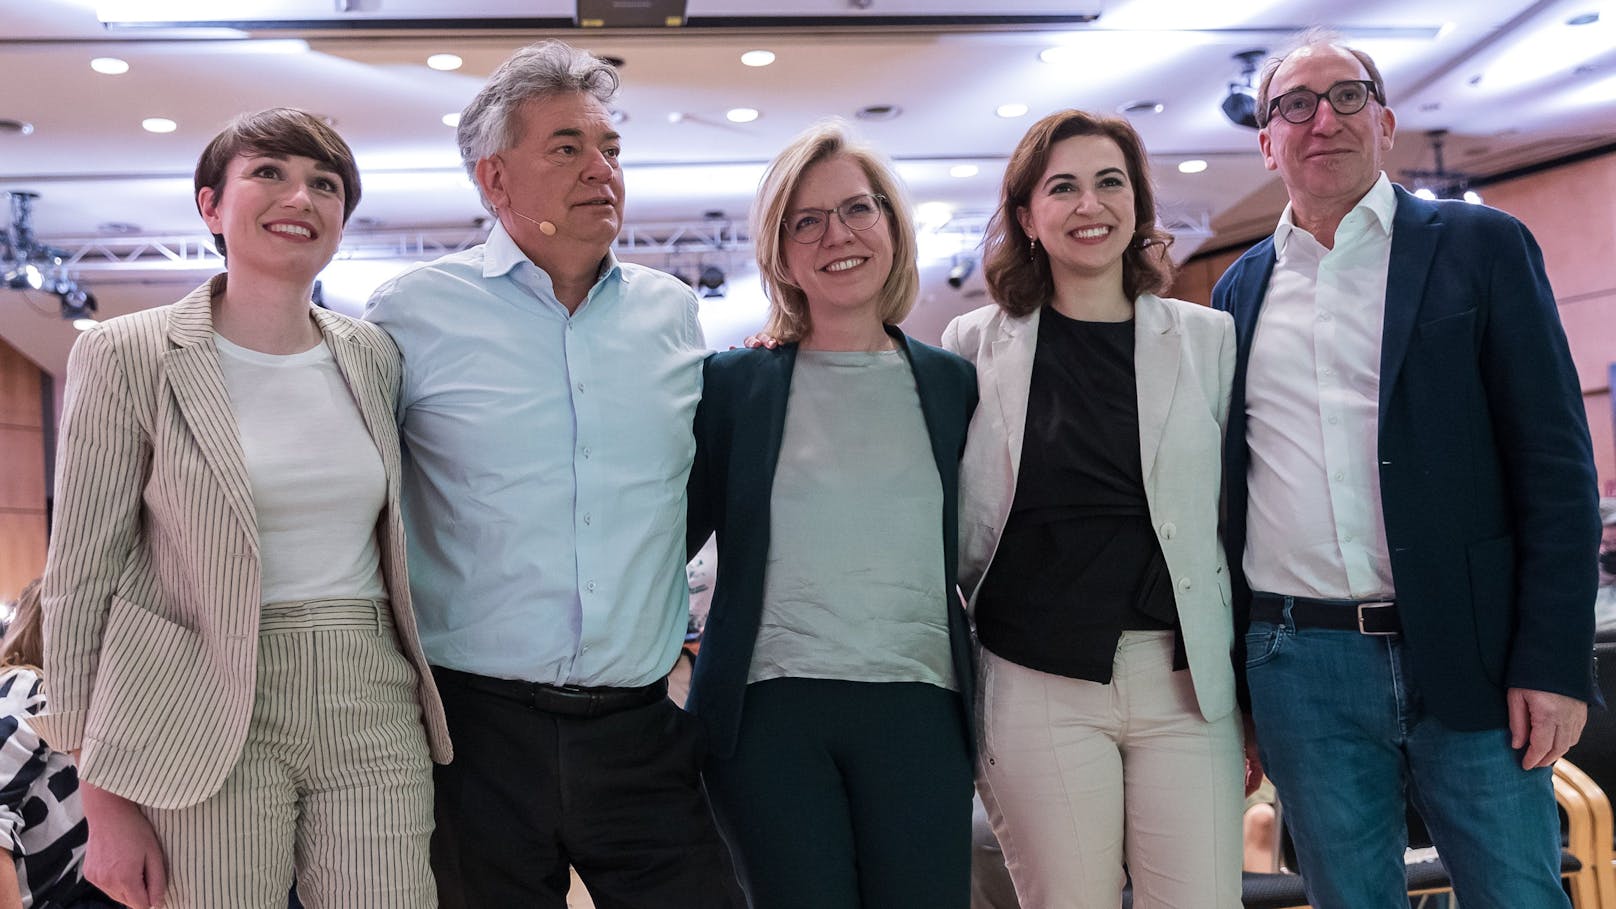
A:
[(1379, 604)]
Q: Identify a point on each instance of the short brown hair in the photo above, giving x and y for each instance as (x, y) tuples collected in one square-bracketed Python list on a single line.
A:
[(788, 305), (1313, 38), (24, 645), (1019, 277), (277, 131)]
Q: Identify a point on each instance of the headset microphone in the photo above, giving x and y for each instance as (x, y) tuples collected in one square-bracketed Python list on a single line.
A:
[(545, 227)]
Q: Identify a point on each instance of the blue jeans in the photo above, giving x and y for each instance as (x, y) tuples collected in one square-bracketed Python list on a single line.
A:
[(1346, 739)]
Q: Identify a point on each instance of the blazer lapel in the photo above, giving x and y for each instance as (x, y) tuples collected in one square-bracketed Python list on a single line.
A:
[(1415, 230), (197, 382), (1156, 344), (1009, 371)]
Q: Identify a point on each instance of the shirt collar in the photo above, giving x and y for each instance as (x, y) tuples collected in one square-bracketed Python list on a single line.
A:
[(501, 256), (1380, 202)]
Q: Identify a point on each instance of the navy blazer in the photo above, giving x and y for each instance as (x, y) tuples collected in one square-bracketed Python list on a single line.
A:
[(739, 425), (1486, 468)]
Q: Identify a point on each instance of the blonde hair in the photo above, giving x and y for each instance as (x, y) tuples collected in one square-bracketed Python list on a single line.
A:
[(23, 644), (789, 320)]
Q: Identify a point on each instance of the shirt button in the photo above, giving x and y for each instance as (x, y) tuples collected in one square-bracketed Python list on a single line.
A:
[(1334, 421), (1167, 530), (1324, 317), (1339, 475), (590, 586), (1347, 538), (586, 452), (580, 387), (1184, 584), (586, 519)]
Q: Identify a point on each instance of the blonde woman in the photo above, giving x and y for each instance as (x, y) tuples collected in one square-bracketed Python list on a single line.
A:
[(834, 670)]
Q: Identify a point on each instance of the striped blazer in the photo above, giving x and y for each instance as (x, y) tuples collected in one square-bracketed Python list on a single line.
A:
[(151, 591)]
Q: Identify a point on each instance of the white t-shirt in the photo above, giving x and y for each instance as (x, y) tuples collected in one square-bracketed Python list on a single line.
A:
[(317, 479)]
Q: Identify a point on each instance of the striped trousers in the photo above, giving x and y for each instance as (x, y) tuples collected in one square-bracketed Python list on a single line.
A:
[(334, 783)]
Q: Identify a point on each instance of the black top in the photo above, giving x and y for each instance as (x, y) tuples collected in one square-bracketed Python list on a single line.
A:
[(1078, 563)]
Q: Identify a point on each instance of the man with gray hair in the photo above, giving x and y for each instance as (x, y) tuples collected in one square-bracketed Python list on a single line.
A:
[(1411, 510), (545, 418)]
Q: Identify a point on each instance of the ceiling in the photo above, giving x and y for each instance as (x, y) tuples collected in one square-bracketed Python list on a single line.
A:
[(1513, 82)]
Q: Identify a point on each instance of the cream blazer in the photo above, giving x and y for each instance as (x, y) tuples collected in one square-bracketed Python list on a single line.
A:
[(1184, 363), (151, 593)]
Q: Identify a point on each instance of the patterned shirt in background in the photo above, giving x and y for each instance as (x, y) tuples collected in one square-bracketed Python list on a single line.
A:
[(41, 820)]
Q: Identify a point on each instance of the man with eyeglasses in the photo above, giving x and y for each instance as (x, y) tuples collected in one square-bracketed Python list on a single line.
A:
[(1412, 516), (545, 417)]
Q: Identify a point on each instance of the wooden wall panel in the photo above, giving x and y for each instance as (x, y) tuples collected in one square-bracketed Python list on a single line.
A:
[(22, 550), (22, 472), (1572, 212)]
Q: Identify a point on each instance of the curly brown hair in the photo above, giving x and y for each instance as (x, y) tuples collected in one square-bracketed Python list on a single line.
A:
[(1019, 277)]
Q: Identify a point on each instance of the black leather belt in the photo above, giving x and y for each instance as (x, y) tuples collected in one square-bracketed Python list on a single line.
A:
[(567, 700), (1372, 617)]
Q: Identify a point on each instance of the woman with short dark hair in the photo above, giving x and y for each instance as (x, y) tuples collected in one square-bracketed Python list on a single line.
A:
[(228, 633)]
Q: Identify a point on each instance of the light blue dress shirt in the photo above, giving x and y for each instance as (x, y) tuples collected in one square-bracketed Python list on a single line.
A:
[(545, 459)]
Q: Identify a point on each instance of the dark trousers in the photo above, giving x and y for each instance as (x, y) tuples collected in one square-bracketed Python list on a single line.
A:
[(619, 797), (843, 795)]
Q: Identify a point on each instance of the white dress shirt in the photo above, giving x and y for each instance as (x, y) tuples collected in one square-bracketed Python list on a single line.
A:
[(1315, 526)]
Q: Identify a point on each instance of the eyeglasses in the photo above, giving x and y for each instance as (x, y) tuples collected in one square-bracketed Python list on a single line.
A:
[(1346, 98), (861, 212)]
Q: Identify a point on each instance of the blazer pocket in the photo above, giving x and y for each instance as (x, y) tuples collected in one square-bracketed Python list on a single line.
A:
[(150, 679)]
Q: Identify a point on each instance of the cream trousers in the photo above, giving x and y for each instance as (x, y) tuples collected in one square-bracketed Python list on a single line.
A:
[(1081, 779), (334, 782)]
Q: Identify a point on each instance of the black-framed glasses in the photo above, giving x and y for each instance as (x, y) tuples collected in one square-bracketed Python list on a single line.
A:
[(1347, 97), (860, 212)]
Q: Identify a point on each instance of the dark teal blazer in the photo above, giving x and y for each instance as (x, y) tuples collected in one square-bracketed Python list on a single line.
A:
[(738, 427), (1487, 477)]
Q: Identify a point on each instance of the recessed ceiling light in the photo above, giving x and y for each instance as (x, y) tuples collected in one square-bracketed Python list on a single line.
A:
[(444, 62), (1142, 107), (16, 127), (1425, 194), (676, 116), (741, 114), (963, 170), (1192, 166), (451, 119), (1583, 19), (109, 66), (85, 324), (757, 58), (1014, 109), (878, 112), (158, 125), (1060, 54)]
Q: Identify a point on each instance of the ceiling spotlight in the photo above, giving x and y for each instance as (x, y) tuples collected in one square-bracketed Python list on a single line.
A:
[(961, 270), (24, 276), (757, 58), (711, 281), (158, 125), (963, 170), (1192, 166), (1058, 54), (1240, 104), (1011, 110), (741, 114), (1471, 196), (1142, 107), (109, 66), (85, 324), (77, 303), (1425, 193), (451, 120), (444, 62)]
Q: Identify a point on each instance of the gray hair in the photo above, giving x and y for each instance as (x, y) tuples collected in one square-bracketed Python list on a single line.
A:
[(492, 121)]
